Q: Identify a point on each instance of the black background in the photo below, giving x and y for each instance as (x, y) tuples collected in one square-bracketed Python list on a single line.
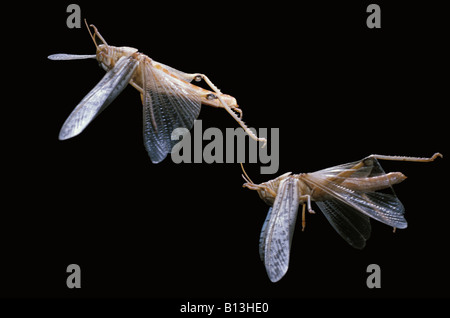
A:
[(336, 90)]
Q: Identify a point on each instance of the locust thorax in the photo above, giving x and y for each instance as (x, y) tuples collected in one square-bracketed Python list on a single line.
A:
[(108, 55)]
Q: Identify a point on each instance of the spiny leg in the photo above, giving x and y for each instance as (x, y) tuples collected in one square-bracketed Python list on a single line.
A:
[(349, 172), (404, 158), (238, 110), (339, 178), (239, 120)]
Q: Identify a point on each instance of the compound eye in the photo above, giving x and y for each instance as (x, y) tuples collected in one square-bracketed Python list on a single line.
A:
[(211, 96)]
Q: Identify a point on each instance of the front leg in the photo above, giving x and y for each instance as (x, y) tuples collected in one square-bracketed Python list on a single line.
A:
[(307, 199)]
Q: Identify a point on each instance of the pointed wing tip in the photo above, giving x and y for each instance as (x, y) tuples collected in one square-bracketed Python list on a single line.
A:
[(359, 246), (156, 157), (402, 225), (276, 272), (276, 277), (156, 161), (62, 137), (57, 57), (64, 134)]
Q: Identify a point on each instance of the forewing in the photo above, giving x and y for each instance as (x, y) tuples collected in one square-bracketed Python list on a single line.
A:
[(349, 223), (278, 230), (111, 85), (263, 236), (381, 206), (168, 103), (65, 57)]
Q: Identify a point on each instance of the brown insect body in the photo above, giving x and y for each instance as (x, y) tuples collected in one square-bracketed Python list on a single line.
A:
[(348, 195), (267, 191), (108, 55), (169, 99)]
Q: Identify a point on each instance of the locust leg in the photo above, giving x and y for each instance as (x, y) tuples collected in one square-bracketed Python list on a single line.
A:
[(307, 198), (404, 158), (385, 180), (227, 107), (306, 202), (198, 77), (139, 89), (303, 217), (341, 177)]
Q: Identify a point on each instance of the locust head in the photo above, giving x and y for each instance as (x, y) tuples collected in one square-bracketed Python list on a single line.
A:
[(108, 55), (267, 191)]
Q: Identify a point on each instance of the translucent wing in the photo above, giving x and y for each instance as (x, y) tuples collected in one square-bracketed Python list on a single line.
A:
[(341, 183), (353, 226), (168, 103), (263, 236), (111, 85), (65, 57), (180, 74), (278, 230)]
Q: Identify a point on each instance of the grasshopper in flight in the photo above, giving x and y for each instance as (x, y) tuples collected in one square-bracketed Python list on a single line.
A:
[(169, 99), (348, 195)]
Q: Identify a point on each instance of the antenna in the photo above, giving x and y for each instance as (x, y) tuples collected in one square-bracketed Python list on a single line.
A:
[(96, 33), (92, 37)]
